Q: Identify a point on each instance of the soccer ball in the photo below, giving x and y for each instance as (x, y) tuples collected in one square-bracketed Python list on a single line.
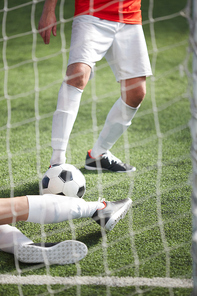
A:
[(64, 179)]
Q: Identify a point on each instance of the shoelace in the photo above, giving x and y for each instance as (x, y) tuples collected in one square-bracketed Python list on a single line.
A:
[(111, 157)]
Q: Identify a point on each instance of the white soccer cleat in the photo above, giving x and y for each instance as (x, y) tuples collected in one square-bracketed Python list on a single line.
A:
[(66, 252), (112, 212)]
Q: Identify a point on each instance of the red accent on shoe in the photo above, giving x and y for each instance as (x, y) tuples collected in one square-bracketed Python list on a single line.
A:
[(89, 153), (104, 205)]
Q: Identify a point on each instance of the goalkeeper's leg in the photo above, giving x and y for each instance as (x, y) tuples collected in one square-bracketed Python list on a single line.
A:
[(13, 241), (43, 209), (51, 208)]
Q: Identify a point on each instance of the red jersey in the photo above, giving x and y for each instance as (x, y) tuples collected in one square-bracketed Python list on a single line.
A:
[(124, 11)]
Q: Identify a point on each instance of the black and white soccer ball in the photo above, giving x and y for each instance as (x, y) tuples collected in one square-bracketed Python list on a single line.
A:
[(64, 179)]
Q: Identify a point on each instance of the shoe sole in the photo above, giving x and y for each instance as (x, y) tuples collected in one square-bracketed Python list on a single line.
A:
[(66, 252), (102, 169), (120, 214)]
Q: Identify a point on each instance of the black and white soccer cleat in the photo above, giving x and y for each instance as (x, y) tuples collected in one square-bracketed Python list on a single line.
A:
[(111, 213), (107, 161), (66, 252)]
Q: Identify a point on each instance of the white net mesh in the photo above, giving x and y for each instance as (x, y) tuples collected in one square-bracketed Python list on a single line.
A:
[(158, 226)]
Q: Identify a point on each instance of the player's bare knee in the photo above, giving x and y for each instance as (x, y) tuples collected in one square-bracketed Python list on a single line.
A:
[(140, 93), (78, 75), (133, 91), (78, 80), (135, 97)]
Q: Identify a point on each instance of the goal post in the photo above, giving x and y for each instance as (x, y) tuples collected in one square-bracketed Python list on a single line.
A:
[(154, 239), (193, 126)]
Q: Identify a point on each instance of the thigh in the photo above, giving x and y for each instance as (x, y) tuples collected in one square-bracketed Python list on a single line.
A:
[(128, 55), (90, 40)]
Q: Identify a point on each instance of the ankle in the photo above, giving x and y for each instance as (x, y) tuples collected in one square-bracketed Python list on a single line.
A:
[(58, 157)]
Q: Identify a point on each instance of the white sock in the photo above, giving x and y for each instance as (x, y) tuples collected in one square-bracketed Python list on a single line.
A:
[(118, 120), (50, 208), (63, 120), (10, 237)]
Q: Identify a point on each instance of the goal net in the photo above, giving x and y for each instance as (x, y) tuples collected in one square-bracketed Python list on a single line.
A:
[(149, 252)]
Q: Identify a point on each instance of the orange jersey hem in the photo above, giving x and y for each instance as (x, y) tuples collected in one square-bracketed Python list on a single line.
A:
[(128, 11)]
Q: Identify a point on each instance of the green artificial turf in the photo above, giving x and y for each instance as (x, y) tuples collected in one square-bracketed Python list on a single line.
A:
[(154, 239)]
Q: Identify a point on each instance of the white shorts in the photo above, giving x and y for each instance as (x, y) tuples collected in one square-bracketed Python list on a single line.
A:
[(123, 46)]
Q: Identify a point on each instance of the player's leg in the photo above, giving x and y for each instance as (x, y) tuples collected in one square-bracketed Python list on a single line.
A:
[(121, 114), (13, 209), (118, 120), (10, 237), (134, 63), (133, 92), (86, 49), (15, 242), (50, 208), (69, 97), (58, 208)]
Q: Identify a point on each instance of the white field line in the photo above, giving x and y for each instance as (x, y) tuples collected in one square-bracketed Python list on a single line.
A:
[(106, 281)]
